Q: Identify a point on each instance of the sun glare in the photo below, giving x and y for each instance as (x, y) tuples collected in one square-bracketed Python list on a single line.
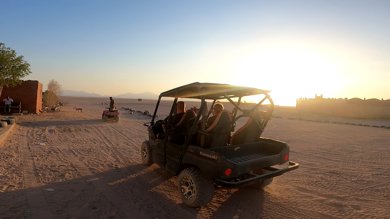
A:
[(289, 73)]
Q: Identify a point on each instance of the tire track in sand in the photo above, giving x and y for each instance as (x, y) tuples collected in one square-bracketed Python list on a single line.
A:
[(118, 199), (38, 207), (103, 191), (142, 187), (112, 143)]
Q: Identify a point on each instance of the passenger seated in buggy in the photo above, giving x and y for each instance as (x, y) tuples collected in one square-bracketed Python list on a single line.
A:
[(252, 129), (176, 126), (180, 123), (217, 132)]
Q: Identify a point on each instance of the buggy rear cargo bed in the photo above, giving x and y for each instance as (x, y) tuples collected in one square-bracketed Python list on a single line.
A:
[(264, 153)]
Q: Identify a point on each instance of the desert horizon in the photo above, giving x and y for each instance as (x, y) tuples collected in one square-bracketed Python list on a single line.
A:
[(287, 112)]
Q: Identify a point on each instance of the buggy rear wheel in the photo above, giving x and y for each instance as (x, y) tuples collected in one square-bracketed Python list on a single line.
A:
[(195, 190)]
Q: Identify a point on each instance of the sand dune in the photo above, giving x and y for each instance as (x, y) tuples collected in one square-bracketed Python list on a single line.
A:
[(70, 164)]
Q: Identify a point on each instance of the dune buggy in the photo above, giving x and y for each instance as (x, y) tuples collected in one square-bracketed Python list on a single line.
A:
[(231, 154)]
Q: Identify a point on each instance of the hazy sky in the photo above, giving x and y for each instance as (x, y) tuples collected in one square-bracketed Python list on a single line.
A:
[(337, 48)]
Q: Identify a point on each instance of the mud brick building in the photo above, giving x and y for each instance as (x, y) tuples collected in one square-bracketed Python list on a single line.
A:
[(348, 108), (28, 94)]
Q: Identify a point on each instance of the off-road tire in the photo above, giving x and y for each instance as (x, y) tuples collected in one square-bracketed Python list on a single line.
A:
[(146, 153), (195, 190)]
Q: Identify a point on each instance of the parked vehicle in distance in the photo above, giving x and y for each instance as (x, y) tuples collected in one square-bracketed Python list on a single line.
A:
[(229, 151)]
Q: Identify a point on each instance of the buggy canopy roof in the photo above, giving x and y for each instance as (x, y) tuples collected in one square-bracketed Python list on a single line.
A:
[(211, 91)]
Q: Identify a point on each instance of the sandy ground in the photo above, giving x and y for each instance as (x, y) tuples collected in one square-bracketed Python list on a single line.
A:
[(70, 164)]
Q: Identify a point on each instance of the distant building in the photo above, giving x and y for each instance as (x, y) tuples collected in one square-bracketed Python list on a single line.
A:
[(351, 108), (28, 94)]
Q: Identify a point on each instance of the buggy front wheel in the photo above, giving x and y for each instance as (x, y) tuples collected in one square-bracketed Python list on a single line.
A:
[(146, 153)]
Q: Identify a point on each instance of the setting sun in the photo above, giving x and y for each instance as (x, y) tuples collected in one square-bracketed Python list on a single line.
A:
[(289, 72)]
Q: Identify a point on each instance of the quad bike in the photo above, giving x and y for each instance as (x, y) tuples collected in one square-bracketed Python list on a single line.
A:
[(110, 115)]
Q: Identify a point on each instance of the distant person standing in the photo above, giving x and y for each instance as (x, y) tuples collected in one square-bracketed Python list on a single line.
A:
[(7, 103), (112, 104)]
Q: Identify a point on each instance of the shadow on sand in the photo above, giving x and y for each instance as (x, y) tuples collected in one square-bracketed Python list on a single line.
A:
[(131, 192)]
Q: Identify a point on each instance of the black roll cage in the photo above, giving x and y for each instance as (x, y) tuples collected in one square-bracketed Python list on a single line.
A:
[(214, 92)]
